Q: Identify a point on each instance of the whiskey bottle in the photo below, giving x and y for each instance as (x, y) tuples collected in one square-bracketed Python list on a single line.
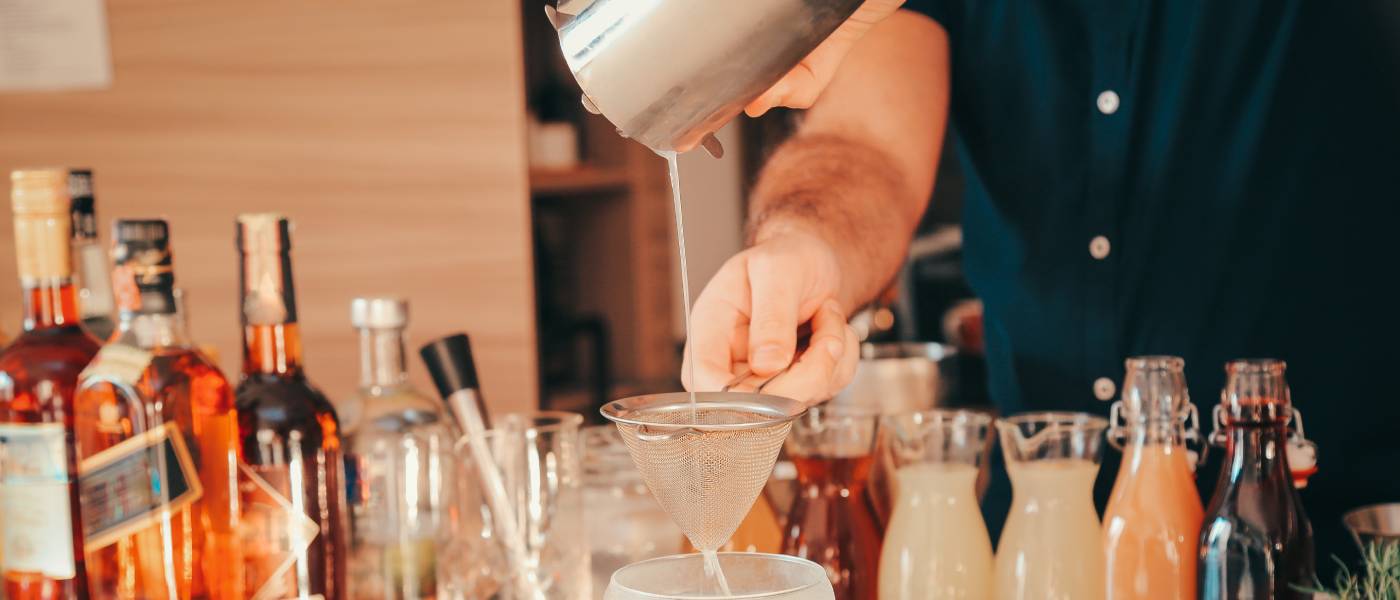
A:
[(95, 302), (400, 467), (289, 434), (157, 443), (40, 530)]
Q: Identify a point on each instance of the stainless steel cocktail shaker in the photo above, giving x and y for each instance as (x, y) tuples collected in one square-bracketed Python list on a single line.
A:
[(668, 73)]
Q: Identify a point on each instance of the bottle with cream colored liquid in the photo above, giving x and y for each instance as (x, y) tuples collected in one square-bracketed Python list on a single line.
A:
[(1153, 519), (936, 546), (1052, 545)]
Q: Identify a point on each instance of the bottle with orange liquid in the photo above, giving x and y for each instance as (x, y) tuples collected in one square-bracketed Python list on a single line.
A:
[(1153, 520), (157, 438), (832, 521)]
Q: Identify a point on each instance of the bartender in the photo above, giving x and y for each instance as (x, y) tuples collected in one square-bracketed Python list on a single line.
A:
[(1212, 180)]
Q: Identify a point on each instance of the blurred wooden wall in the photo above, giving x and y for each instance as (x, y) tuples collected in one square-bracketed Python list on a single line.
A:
[(391, 131)]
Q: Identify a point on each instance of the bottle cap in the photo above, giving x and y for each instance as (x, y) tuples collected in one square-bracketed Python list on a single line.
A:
[(43, 226), (82, 208), (142, 276), (379, 313), (449, 360), (264, 233), (39, 192)]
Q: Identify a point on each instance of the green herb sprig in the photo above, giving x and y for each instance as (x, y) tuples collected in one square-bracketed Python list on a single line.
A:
[(1379, 578)]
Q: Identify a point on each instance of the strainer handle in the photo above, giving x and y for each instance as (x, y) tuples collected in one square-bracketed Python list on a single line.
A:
[(745, 373)]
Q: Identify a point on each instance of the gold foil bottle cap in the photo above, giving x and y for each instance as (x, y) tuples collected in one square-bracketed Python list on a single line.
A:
[(39, 192), (263, 233), (43, 224)]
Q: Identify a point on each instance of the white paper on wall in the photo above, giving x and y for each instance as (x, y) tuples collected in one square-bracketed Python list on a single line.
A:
[(52, 45)]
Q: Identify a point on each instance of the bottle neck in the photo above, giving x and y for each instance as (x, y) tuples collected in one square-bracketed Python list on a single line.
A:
[(1157, 433), (49, 303), (97, 298), (153, 330), (382, 360), (272, 349), (1258, 451)]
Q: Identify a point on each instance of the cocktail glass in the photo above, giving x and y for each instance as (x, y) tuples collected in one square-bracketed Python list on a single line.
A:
[(751, 576)]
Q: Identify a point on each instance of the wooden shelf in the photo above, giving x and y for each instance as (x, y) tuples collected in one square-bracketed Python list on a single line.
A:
[(583, 179)]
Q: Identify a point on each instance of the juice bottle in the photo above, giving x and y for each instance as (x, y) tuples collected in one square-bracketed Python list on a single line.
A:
[(1153, 520), (1256, 541), (936, 546), (832, 521), (1052, 545)]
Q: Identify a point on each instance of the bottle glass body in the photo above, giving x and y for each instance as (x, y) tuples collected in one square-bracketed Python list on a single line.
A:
[(1256, 541), (295, 495), (42, 556), (832, 521), (936, 546), (190, 546), (1052, 544), (402, 479), (1153, 520)]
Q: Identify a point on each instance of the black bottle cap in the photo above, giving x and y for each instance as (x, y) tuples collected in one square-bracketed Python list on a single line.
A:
[(143, 273), (84, 213), (449, 360)]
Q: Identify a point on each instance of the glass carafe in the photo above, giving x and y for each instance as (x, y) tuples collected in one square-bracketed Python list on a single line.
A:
[(936, 545), (1153, 520), (1256, 541), (1052, 544), (625, 523), (832, 521)]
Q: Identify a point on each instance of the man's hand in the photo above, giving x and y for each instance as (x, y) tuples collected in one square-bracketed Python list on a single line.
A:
[(801, 86), (748, 317)]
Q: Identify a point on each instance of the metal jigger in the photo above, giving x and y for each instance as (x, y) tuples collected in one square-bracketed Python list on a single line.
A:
[(1375, 524)]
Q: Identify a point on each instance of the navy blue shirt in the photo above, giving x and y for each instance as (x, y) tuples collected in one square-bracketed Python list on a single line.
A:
[(1207, 179)]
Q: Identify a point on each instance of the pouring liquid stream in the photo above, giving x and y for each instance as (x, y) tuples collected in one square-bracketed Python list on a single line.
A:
[(712, 568)]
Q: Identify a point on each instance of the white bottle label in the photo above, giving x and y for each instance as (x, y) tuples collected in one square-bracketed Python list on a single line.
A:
[(34, 510)]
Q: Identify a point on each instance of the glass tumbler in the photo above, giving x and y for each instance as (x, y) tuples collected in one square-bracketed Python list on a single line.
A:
[(832, 520), (936, 546), (751, 576), (1052, 545), (539, 457), (625, 523)]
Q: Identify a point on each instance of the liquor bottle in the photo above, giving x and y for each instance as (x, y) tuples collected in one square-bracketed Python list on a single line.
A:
[(40, 528), (399, 464), (1153, 520), (1256, 541), (289, 433), (157, 443), (95, 301)]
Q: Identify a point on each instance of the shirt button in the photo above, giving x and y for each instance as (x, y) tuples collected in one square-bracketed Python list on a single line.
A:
[(1108, 102), (1099, 247), (1104, 388)]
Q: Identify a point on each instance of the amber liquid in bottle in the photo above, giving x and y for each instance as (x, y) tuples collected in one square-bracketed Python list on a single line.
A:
[(41, 556), (289, 435), (832, 523), (1256, 541), (187, 543)]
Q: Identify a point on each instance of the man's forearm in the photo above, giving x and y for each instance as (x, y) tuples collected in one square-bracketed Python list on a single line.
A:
[(848, 193)]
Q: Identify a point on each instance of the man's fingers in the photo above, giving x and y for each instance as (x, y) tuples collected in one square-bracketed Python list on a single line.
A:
[(846, 367), (773, 320), (810, 380), (717, 317)]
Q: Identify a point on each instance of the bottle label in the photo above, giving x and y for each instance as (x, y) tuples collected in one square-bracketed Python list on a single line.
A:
[(134, 484), (35, 520), (118, 364), (276, 534)]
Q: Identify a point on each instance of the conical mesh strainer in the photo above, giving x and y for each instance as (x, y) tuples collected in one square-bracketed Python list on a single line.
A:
[(707, 466)]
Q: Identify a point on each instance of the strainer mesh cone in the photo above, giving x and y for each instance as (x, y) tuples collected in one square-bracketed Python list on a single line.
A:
[(705, 473)]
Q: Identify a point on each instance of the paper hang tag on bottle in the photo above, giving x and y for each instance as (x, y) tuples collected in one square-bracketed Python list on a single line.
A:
[(1302, 460)]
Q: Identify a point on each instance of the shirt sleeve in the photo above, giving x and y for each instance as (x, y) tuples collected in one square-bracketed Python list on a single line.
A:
[(933, 9)]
